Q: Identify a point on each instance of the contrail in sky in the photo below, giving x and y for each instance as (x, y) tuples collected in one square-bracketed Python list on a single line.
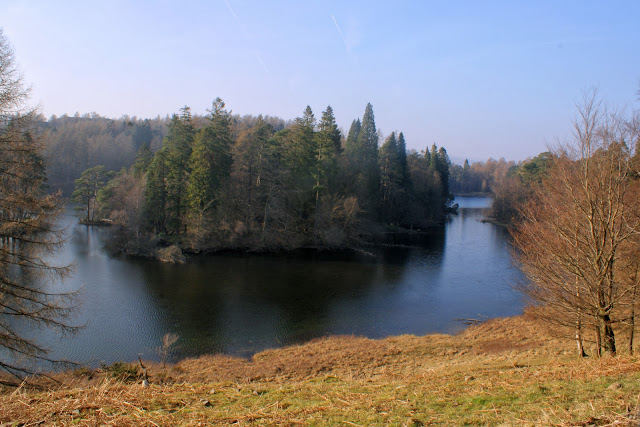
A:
[(242, 28), (339, 32), (262, 62), (233, 12)]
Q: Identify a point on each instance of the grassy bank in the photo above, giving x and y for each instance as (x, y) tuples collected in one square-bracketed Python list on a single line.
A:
[(505, 371)]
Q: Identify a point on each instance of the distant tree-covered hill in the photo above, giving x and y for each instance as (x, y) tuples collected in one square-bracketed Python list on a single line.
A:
[(79, 142)]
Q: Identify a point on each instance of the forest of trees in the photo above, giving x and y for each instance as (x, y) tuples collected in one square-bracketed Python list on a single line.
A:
[(80, 142), (219, 181), (223, 181), (516, 186), (479, 177)]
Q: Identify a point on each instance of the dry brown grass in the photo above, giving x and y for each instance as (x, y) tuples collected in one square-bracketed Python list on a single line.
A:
[(505, 371)]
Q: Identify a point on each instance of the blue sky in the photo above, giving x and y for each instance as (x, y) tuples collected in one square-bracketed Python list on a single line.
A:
[(483, 79)]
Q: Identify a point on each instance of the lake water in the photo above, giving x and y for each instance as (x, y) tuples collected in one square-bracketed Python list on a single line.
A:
[(239, 305)]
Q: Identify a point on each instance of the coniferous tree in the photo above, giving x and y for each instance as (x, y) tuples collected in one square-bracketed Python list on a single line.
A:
[(259, 179), (433, 158), (274, 218), (178, 144), (352, 137), (465, 177), (402, 159), (390, 178), (350, 159), (143, 160), (368, 135), (363, 161), (443, 167), (209, 163), (327, 150), (155, 194), (405, 191), (390, 170), (299, 145)]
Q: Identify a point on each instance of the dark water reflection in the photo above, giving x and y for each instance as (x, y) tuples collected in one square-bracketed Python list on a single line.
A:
[(242, 304)]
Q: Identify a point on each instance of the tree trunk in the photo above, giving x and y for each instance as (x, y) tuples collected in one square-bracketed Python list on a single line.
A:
[(264, 218), (632, 320), (579, 340), (315, 219), (607, 334), (631, 330)]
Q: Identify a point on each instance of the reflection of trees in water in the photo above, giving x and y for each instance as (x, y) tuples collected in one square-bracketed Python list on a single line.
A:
[(244, 303), (219, 300), (215, 302), (472, 214), (190, 305)]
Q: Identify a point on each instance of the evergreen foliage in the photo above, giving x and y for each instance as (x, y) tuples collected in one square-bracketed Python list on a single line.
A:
[(224, 182), (178, 145), (143, 159), (402, 159), (390, 179), (328, 140), (155, 194), (351, 143), (368, 179), (209, 163)]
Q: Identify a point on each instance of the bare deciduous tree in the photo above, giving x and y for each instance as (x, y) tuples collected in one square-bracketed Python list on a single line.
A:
[(580, 221), (27, 216), (168, 340)]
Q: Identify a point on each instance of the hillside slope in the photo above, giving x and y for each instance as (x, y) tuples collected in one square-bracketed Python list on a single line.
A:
[(505, 371)]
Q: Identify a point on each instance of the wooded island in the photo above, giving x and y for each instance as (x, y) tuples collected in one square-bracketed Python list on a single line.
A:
[(224, 182)]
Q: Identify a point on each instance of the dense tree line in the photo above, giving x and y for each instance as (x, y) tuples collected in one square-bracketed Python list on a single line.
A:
[(74, 144), (509, 184), (79, 142), (479, 177), (223, 182), (517, 186)]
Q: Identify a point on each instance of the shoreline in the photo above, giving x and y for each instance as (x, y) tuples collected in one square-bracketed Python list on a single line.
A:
[(505, 370), (176, 253)]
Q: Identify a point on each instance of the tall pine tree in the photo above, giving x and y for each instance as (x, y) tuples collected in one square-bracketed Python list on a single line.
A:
[(352, 138), (402, 159), (390, 179), (155, 194), (327, 149), (209, 163), (299, 144), (178, 144), (368, 178)]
